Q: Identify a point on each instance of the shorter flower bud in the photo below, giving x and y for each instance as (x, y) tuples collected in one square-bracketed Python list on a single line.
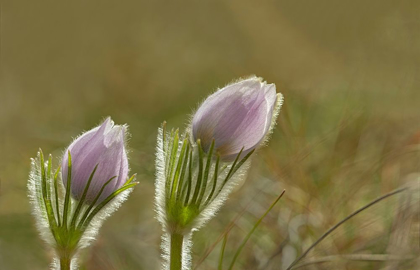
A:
[(103, 147)]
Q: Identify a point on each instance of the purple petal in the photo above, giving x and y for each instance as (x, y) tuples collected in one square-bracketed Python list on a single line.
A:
[(102, 146), (237, 116)]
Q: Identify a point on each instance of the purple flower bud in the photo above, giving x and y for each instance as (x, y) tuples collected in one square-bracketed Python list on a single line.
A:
[(102, 146), (237, 116)]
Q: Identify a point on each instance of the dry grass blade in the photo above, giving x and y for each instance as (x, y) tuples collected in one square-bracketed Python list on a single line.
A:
[(238, 252), (355, 257), (226, 231), (340, 223), (222, 252)]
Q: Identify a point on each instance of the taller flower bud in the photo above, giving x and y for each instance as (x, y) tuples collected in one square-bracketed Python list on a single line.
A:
[(103, 147), (197, 170), (238, 117)]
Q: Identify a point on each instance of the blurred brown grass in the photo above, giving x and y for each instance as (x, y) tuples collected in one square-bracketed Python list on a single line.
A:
[(349, 130)]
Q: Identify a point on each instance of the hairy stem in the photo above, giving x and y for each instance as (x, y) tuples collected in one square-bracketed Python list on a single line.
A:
[(65, 261), (176, 251)]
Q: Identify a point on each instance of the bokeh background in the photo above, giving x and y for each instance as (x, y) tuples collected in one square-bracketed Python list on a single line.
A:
[(349, 130)]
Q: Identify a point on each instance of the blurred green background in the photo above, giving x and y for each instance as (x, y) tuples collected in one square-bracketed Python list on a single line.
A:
[(349, 130)]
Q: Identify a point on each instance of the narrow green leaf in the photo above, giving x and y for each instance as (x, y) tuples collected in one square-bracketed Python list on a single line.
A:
[(200, 172), (234, 164), (104, 203), (67, 202), (130, 179), (206, 173), (172, 162), (230, 173), (181, 178), (178, 168), (82, 220), (45, 196), (82, 200), (48, 180), (242, 161), (189, 182), (234, 168), (174, 152), (241, 246), (43, 178), (167, 153), (163, 133), (49, 177), (215, 177), (57, 207)]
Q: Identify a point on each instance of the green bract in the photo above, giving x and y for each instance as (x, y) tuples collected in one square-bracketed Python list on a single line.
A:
[(193, 179), (64, 223), (191, 186)]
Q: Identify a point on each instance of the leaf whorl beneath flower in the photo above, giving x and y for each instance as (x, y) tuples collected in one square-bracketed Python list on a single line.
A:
[(192, 184)]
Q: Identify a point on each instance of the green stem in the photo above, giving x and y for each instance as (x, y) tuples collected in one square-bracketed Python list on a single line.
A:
[(176, 251), (65, 262)]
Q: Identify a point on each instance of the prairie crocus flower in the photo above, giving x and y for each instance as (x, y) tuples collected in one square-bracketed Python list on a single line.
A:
[(103, 147), (94, 173), (238, 117), (198, 169)]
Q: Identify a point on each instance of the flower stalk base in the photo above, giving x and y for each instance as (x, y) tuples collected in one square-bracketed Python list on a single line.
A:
[(176, 251), (65, 262)]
